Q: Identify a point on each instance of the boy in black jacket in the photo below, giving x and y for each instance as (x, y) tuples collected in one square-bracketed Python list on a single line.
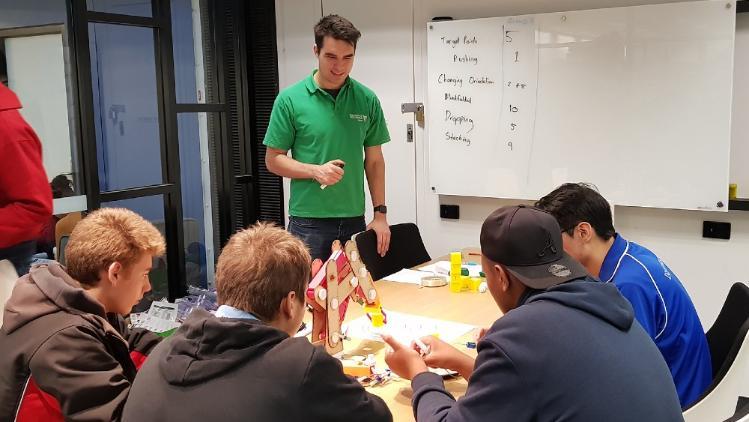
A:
[(244, 363)]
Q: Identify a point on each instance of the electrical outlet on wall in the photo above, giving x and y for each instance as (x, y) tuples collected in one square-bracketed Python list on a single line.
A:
[(716, 230)]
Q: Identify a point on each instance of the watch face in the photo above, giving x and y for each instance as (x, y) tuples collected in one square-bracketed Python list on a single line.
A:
[(381, 208)]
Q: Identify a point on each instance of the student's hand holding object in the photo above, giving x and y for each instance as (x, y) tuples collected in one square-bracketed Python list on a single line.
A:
[(443, 355), (403, 360)]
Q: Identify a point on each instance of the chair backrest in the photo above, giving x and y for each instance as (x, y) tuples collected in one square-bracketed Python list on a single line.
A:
[(722, 336), (406, 250), (741, 415), (729, 348), (61, 245), (64, 227)]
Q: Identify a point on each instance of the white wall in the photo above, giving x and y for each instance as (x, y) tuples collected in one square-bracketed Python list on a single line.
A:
[(294, 22), (707, 267)]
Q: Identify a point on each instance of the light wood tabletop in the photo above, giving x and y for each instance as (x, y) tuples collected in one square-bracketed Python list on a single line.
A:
[(478, 309)]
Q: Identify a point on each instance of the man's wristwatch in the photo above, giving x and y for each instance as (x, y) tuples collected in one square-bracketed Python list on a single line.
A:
[(381, 209)]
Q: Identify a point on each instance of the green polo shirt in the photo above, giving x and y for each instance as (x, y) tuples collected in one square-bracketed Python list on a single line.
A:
[(317, 129)]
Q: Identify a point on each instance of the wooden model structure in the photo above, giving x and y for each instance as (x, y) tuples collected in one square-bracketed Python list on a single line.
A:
[(341, 277)]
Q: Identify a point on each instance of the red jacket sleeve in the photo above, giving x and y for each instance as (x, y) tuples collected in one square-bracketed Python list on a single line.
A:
[(25, 194)]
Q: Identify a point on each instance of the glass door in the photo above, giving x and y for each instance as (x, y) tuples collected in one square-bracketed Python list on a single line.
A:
[(150, 118)]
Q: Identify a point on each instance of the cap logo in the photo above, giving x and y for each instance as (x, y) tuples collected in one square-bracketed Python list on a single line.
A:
[(550, 246), (559, 270)]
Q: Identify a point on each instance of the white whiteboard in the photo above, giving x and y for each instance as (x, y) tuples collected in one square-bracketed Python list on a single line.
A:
[(636, 100)]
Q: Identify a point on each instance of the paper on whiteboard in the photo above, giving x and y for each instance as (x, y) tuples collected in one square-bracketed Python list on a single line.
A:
[(405, 328)]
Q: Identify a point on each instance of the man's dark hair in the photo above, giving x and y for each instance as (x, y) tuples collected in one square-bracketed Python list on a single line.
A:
[(574, 203), (337, 27), (61, 186)]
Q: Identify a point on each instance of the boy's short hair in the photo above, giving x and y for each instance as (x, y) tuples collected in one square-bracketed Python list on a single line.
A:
[(259, 266), (109, 235), (337, 27), (574, 203)]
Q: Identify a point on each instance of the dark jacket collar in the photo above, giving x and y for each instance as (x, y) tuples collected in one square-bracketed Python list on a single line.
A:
[(600, 300), (206, 347)]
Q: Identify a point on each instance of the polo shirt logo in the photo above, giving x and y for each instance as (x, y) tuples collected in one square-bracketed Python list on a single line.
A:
[(358, 117), (666, 272)]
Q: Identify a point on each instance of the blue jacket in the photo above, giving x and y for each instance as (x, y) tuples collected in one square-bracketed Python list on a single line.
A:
[(664, 309), (570, 353)]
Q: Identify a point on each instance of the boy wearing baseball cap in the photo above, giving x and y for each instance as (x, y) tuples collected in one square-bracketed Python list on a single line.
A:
[(567, 348)]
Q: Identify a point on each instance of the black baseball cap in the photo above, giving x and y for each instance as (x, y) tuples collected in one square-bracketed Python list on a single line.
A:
[(528, 243)]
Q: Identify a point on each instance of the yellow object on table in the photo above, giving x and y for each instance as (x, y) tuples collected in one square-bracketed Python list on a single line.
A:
[(378, 319), (375, 315), (475, 283), (456, 279)]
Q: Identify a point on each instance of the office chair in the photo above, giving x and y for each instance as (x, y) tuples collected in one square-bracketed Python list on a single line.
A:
[(741, 415), (729, 350), (406, 250), (61, 245), (63, 228)]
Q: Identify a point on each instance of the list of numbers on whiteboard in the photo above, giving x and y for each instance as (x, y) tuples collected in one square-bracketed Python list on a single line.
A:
[(475, 82), (519, 83)]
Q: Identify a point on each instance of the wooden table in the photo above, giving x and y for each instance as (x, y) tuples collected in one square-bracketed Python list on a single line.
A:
[(478, 309)]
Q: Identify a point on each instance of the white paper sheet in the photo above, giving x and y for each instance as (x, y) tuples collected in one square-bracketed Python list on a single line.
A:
[(405, 328), (163, 309), (439, 268), (406, 276), (152, 323), (443, 268)]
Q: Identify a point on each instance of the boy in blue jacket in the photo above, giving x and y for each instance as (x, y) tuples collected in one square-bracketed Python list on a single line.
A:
[(661, 303)]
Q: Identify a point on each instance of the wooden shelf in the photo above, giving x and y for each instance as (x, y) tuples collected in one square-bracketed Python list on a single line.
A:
[(738, 204)]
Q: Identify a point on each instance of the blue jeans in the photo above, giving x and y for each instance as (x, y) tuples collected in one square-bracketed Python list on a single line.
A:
[(319, 233)]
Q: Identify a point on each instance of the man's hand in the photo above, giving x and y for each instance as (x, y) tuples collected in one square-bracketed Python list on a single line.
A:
[(330, 173), (380, 226), (403, 360), (443, 355)]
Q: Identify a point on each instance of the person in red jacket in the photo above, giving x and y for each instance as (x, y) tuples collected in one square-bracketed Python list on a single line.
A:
[(25, 194)]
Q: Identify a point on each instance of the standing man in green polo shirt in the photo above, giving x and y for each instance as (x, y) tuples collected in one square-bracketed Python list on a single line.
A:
[(334, 128)]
